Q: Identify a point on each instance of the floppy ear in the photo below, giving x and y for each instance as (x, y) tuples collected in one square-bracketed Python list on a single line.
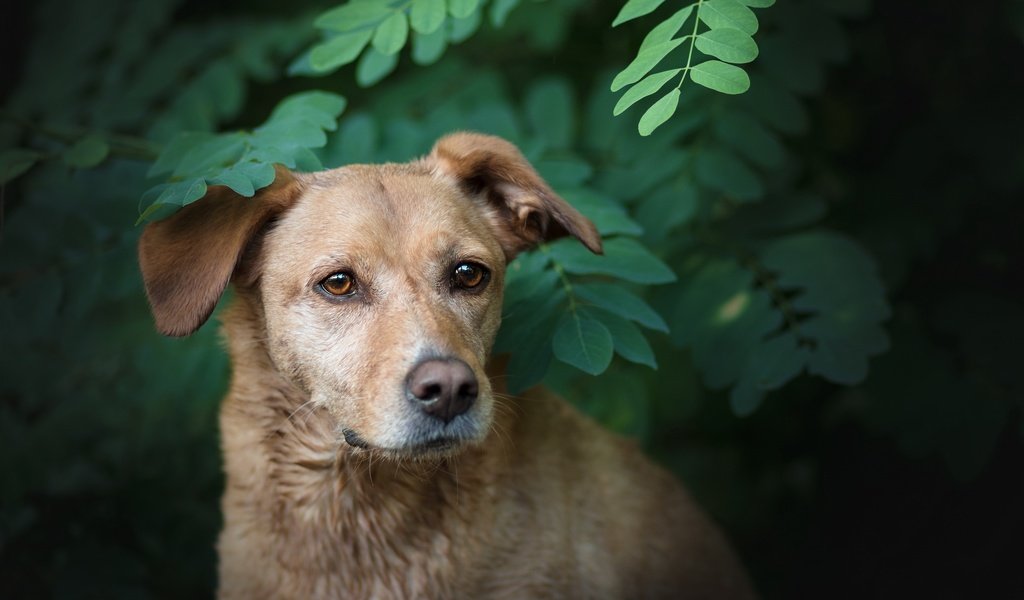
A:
[(528, 211), (188, 258)]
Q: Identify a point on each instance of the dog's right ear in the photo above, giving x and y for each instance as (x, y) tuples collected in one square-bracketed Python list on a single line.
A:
[(188, 258)]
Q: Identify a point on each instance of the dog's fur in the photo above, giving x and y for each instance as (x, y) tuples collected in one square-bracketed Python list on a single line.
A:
[(523, 498)]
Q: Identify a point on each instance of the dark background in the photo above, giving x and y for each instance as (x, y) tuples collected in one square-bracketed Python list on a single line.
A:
[(910, 484)]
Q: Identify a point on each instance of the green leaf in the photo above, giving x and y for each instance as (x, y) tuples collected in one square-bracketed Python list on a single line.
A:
[(723, 171), (87, 152), (460, 9), (730, 45), (723, 318), (659, 112), (235, 180), (643, 63), (427, 16), (213, 153), (622, 302), (834, 281), (627, 339), (769, 366), (354, 15), (728, 13), (339, 50), (15, 162), (426, 49), (645, 87), (634, 9), (608, 216), (583, 342), (374, 66), (721, 77), (549, 108), (175, 150), (624, 258), (392, 34), (174, 195), (758, 3), (459, 30), (500, 10), (748, 137), (664, 31), (319, 107)]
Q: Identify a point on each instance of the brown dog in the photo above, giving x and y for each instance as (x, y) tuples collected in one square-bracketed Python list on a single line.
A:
[(369, 454)]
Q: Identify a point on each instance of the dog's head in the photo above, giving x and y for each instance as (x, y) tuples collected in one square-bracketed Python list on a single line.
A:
[(379, 286)]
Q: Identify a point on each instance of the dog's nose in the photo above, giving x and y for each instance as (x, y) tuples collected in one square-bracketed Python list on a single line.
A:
[(444, 388)]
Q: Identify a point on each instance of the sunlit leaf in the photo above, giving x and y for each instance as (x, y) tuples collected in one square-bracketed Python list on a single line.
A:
[(659, 112), (721, 77), (636, 8), (728, 44), (645, 87)]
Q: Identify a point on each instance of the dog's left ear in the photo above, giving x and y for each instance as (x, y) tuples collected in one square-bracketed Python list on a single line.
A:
[(527, 209), (188, 258)]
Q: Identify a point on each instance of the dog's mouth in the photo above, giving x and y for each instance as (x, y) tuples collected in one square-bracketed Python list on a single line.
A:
[(440, 445)]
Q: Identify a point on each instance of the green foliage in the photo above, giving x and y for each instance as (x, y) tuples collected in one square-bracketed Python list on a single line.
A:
[(382, 29), (242, 161), (750, 262), (730, 25)]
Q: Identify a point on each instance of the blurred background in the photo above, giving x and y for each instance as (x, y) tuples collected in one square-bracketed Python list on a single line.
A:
[(875, 169)]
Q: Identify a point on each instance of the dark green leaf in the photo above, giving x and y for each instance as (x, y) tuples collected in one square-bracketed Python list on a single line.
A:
[(724, 172), (629, 342), (549, 109), (748, 137), (15, 162), (583, 342), (500, 10), (87, 152), (618, 300), (608, 216), (624, 258)]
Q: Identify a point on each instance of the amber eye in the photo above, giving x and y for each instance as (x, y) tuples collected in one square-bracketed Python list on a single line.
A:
[(339, 284), (469, 276)]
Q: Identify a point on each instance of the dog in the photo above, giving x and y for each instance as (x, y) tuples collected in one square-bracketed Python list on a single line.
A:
[(370, 448)]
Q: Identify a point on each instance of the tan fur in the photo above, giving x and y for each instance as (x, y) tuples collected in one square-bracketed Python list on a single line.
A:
[(532, 500)]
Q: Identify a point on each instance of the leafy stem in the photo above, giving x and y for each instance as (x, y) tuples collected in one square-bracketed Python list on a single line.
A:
[(121, 145), (693, 42)]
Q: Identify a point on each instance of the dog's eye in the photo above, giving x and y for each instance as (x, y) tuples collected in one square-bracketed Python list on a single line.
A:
[(470, 276), (339, 284)]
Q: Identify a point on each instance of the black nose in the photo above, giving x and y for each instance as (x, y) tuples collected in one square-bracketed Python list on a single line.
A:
[(443, 388)]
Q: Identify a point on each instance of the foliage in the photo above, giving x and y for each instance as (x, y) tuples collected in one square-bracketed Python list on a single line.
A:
[(752, 253)]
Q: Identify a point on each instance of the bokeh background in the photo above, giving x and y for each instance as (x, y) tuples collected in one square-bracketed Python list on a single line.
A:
[(894, 127)]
